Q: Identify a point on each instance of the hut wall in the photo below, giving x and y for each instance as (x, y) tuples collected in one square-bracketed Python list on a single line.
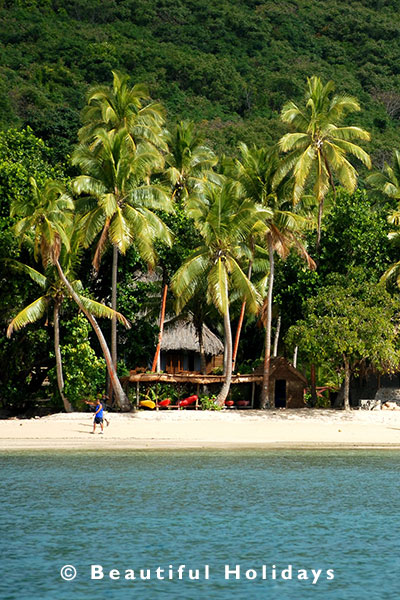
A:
[(178, 362), (295, 396), (294, 387), (214, 362)]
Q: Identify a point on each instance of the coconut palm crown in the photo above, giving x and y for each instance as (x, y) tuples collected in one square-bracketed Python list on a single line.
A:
[(188, 160), (123, 106), (116, 199), (320, 142)]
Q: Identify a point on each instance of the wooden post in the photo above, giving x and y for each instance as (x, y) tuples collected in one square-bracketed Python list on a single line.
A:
[(253, 389), (137, 394), (162, 317)]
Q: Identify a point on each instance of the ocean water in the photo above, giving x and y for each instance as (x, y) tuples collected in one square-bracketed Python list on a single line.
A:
[(270, 518)]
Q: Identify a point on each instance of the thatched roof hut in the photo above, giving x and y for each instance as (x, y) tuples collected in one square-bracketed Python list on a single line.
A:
[(180, 334), (180, 347)]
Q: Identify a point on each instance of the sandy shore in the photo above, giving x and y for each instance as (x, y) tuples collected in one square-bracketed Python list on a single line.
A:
[(201, 429)]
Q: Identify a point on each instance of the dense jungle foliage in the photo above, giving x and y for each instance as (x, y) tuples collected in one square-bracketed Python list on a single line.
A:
[(230, 68), (227, 65)]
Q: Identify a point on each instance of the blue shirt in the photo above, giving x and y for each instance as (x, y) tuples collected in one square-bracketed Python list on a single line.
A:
[(100, 413)]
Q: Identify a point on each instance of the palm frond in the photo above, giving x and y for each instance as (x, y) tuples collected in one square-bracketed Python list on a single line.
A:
[(355, 151), (101, 310), (244, 287), (30, 314), (187, 278), (37, 277), (218, 285)]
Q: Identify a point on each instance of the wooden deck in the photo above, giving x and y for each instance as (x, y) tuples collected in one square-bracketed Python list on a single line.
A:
[(196, 378)]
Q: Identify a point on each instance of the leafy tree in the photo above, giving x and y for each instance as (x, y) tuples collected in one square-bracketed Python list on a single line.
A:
[(53, 295), (347, 323), (36, 310), (24, 359), (355, 234), (120, 147), (228, 65), (319, 146)]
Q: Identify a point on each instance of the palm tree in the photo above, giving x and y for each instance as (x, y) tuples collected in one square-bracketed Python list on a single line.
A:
[(117, 203), (223, 217), (387, 181), (188, 165), (112, 110), (320, 143), (49, 218), (123, 107), (53, 294), (280, 229), (37, 309), (387, 185), (188, 160)]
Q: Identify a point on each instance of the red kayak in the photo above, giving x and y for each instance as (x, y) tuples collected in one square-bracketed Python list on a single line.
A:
[(188, 401), (242, 402), (165, 403)]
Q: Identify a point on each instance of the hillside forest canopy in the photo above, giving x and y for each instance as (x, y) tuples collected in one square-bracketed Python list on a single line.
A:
[(241, 156)]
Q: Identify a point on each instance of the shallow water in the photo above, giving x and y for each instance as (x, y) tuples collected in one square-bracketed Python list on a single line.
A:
[(138, 509)]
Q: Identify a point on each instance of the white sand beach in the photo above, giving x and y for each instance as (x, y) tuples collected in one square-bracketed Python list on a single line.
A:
[(201, 429)]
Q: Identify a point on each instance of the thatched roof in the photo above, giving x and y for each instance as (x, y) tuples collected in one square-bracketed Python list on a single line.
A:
[(180, 334)]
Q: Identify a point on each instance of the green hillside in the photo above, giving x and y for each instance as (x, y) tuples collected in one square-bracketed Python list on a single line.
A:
[(229, 64)]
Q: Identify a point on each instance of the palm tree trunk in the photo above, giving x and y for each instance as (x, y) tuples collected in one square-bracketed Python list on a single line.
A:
[(295, 356), (346, 384), (121, 398), (114, 277), (265, 398), (57, 351), (222, 396), (240, 324), (319, 225), (160, 335), (276, 340)]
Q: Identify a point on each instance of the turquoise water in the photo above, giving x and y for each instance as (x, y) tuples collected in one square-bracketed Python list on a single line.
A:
[(132, 510)]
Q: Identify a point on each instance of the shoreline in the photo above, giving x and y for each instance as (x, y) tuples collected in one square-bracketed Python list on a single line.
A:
[(305, 429)]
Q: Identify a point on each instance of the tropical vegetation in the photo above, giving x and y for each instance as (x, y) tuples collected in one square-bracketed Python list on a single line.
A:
[(263, 195)]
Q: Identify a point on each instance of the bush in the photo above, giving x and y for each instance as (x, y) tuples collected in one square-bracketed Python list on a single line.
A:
[(209, 403), (84, 372)]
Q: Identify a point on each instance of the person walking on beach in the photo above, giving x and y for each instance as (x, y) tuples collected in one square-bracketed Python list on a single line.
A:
[(98, 414)]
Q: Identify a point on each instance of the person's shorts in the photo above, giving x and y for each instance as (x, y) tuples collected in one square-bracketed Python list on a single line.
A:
[(98, 420)]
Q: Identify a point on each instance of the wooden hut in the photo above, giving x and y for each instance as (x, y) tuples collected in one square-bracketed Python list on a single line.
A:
[(286, 384), (180, 347)]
